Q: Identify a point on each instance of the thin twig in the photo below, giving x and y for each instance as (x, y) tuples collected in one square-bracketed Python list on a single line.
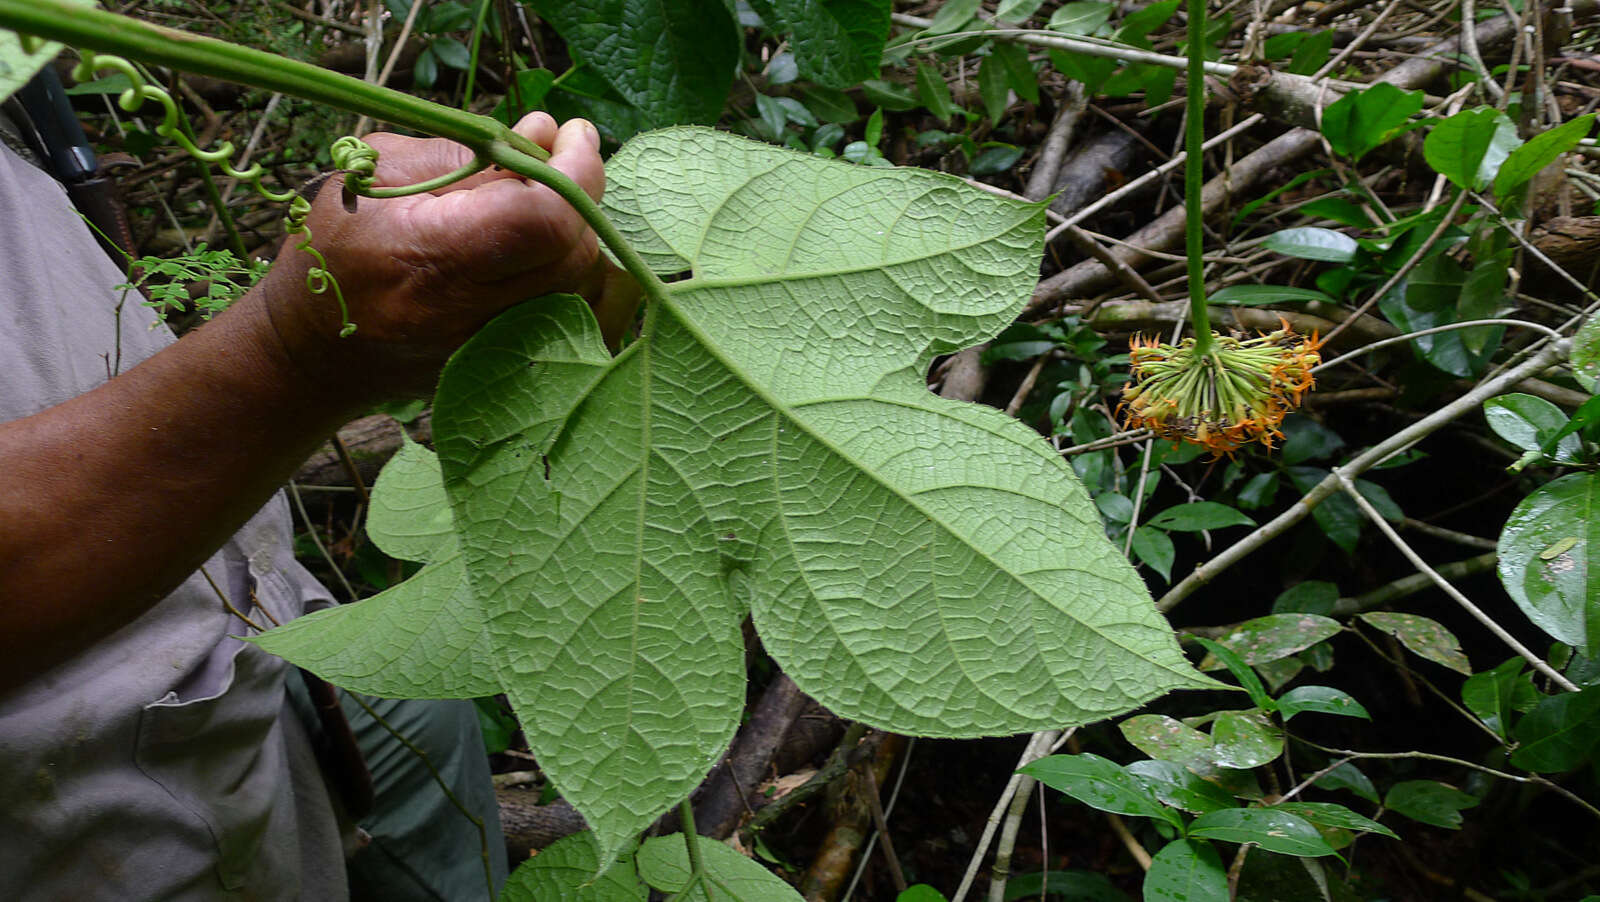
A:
[(311, 530), (881, 822), (1037, 743), (1450, 327), (1534, 661)]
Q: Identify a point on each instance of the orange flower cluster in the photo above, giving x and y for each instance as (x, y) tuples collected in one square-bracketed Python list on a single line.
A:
[(1221, 398)]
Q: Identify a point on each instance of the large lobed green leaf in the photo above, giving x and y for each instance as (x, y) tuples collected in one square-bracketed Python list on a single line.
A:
[(767, 446), (424, 638)]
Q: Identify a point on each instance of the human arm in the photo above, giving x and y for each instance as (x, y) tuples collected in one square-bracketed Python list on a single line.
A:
[(109, 500)]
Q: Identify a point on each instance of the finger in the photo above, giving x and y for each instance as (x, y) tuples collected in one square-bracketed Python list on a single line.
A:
[(576, 152), (501, 228), (538, 127)]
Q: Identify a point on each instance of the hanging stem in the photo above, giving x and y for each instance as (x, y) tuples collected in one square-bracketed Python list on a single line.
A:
[(1194, 178)]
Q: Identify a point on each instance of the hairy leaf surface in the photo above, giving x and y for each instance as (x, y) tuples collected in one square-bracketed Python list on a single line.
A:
[(424, 638), (673, 60)]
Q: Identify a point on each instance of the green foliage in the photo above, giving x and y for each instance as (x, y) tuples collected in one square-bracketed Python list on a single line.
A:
[(566, 870), (672, 63), (1429, 802), (1361, 121), (1469, 147), (663, 863), (1547, 556), (171, 283), (836, 43), (618, 517), (1423, 637)]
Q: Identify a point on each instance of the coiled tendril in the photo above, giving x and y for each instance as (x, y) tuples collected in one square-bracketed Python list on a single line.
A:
[(319, 279)]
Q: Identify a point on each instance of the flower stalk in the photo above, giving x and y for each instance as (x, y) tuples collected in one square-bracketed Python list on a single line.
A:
[(1215, 391)]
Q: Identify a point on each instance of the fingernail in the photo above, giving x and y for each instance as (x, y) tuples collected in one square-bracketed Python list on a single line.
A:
[(592, 133)]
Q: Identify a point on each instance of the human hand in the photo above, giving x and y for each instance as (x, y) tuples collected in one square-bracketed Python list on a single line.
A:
[(421, 274)]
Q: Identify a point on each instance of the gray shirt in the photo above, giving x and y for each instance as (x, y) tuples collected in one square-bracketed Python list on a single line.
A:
[(163, 763)]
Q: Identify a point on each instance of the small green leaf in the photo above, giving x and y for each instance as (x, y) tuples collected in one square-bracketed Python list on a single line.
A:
[(1378, 496), (1469, 147), (1494, 695), (1310, 597), (1256, 295), (566, 870), (1199, 515), (1423, 636), (888, 95), (425, 71), (993, 87), (1180, 787), (1327, 814), (1272, 829), (1245, 739), (1186, 871), (1306, 439), (1430, 802), (1163, 738), (1339, 210), (829, 104), (1585, 358), (1083, 17), (664, 864), (1259, 491), (1560, 734), (933, 92), (921, 892), (1322, 700), (1337, 516), (1348, 776), (1098, 783), (1154, 548), (1277, 636), (1017, 10), (1526, 421), (1019, 70), (1138, 24), (1241, 671), (1541, 150), (1362, 120), (452, 53), (1311, 243), (1312, 52), (1556, 590), (953, 16), (995, 158)]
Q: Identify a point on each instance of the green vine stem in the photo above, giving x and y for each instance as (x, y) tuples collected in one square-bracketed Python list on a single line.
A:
[(93, 29), (697, 868), (1194, 178)]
